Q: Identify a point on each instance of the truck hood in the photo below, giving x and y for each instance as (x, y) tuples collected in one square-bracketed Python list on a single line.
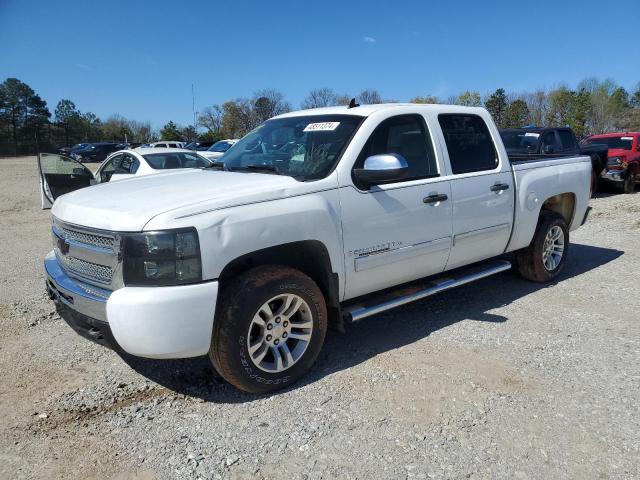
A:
[(128, 205)]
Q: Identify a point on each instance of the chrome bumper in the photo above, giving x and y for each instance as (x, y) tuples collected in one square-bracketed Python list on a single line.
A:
[(82, 298), (613, 175)]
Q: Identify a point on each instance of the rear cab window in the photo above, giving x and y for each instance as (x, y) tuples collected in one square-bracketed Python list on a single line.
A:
[(469, 143)]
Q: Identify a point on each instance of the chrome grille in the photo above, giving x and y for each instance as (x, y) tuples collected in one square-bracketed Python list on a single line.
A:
[(88, 270), (92, 239), (89, 255)]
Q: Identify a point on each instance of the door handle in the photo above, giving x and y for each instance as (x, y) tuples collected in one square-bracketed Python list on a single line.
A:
[(435, 198), (498, 187)]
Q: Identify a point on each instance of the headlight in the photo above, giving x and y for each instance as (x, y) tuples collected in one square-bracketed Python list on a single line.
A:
[(169, 257), (614, 161)]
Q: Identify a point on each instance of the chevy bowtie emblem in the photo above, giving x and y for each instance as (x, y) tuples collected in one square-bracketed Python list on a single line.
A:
[(63, 246)]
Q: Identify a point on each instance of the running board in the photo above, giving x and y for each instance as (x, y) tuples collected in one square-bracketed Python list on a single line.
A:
[(411, 293)]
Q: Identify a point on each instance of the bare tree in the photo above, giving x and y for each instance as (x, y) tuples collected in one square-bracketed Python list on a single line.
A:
[(268, 103), (369, 97), (320, 97), (343, 99), (211, 118), (425, 99), (238, 117)]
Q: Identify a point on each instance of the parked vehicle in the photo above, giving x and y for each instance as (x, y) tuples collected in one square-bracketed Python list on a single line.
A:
[(62, 174), (129, 145), (167, 144), (533, 142), (319, 217), (199, 146), (623, 165), (69, 150), (94, 152), (218, 149)]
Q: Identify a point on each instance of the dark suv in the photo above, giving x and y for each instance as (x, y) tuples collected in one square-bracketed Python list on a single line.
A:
[(95, 152), (529, 143)]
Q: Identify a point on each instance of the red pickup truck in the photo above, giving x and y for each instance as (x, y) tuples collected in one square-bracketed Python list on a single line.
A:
[(623, 163)]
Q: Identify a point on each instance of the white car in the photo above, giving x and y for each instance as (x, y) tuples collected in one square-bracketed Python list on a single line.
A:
[(167, 144), (61, 174), (218, 149)]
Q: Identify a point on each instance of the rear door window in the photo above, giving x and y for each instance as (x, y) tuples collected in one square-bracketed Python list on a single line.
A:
[(567, 140), (549, 143), (469, 143)]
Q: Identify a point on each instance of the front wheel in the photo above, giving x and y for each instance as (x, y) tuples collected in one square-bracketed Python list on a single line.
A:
[(544, 258), (269, 329)]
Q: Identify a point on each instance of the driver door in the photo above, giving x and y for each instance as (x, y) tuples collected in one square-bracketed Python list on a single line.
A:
[(60, 175)]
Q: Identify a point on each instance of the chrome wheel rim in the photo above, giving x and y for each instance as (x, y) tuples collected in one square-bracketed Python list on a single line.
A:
[(280, 333), (553, 248)]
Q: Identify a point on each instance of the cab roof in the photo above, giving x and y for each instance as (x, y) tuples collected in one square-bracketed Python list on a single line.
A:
[(367, 110)]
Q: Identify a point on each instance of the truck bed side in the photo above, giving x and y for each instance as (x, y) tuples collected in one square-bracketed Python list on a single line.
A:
[(560, 184)]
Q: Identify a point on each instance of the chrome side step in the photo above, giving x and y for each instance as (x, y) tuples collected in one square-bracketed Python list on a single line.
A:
[(408, 294)]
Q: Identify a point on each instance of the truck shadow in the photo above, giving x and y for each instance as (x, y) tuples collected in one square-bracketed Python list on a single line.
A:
[(387, 331)]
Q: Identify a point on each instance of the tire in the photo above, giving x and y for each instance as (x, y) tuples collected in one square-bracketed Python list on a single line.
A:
[(594, 183), (253, 317), (532, 262), (629, 185)]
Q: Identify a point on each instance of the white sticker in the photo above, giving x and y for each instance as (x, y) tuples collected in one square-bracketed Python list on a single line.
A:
[(531, 134), (321, 127), (627, 138)]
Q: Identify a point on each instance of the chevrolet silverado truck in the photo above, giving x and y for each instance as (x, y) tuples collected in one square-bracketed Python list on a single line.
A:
[(318, 218), (623, 164), (530, 143)]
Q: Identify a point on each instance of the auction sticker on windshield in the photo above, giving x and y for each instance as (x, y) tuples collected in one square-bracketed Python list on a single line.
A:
[(321, 127)]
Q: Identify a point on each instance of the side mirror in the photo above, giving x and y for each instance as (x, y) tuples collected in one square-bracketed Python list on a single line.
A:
[(79, 171), (379, 169), (548, 149)]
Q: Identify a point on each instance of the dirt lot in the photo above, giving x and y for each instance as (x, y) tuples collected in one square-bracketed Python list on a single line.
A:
[(498, 379)]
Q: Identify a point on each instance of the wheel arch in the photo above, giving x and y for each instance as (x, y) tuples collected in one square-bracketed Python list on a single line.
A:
[(563, 204), (311, 257)]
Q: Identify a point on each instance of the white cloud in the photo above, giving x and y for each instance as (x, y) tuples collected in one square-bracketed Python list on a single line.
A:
[(86, 68), (368, 40)]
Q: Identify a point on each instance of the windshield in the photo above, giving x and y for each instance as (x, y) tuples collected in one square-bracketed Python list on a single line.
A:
[(520, 142), (305, 147), (622, 143), (221, 146), (165, 161)]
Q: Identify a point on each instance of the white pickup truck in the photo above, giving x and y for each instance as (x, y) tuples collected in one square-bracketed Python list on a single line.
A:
[(318, 218)]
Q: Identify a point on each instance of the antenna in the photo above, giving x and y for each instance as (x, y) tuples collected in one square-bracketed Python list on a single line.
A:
[(353, 104), (193, 105)]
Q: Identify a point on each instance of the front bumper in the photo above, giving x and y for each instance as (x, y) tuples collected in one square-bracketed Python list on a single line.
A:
[(613, 175), (153, 322)]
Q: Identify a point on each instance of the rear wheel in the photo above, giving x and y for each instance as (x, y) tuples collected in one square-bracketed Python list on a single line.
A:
[(629, 185), (544, 258), (269, 329), (594, 183)]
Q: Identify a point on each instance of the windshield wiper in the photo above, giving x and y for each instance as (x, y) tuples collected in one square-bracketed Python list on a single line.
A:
[(262, 168), (217, 166)]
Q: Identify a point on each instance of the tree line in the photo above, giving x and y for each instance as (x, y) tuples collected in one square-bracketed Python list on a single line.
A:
[(27, 125)]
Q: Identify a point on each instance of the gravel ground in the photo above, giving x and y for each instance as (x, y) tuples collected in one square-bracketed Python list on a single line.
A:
[(498, 379)]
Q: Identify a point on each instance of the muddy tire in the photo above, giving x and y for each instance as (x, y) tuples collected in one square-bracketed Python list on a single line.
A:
[(544, 258), (629, 185), (594, 183), (270, 325)]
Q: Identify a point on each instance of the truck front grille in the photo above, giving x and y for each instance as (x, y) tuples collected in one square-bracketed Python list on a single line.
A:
[(92, 239), (87, 270), (89, 255)]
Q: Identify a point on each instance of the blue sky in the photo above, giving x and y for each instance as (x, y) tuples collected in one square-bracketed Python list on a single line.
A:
[(139, 59)]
